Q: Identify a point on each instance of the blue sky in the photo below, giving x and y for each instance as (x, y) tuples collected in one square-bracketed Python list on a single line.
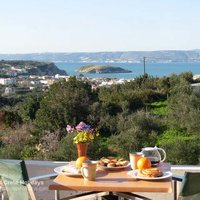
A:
[(29, 26)]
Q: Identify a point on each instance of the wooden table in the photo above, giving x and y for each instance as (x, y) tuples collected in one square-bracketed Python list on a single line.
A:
[(112, 181)]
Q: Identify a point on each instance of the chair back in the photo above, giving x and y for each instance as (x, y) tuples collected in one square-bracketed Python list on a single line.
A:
[(190, 187), (15, 179)]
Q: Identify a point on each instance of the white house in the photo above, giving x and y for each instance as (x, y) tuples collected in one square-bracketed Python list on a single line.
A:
[(9, 90), (11, 73), (7, 81)]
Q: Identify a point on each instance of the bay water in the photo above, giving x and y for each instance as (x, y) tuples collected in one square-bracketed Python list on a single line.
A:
[(153, 69)]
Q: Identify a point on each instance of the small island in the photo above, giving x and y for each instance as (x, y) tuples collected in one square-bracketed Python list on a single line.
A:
[(100, 69)]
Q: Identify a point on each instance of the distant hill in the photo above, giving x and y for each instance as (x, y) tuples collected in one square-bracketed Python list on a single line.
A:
[(30, 67), (167, 56), (99, 69)]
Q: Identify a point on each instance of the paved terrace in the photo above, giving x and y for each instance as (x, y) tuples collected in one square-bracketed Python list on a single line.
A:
[(36, 168)]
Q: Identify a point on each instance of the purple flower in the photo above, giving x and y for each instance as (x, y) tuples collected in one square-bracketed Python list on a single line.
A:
[(69, 129), (82, 127), (91, 131), (83, 133)]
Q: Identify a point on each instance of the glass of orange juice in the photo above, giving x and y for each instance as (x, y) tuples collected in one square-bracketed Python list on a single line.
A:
[(134, 157)]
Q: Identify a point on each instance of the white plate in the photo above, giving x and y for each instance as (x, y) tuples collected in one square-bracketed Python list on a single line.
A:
[(59, 170), (134, 174), (115, 168)]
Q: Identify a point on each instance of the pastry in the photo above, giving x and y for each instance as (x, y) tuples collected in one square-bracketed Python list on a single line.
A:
[(110, 161), (150, 172), (111, 165), (123, 163)]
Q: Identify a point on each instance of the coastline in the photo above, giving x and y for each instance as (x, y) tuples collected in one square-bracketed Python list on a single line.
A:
[(153, 69)]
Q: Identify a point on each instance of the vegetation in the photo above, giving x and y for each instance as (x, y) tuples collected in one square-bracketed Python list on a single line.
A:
[(30, 67), (145, 112), (102, 69), (159, 107)]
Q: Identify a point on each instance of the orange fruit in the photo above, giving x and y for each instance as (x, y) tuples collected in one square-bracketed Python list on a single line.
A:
[(143, 163), (80, 160)]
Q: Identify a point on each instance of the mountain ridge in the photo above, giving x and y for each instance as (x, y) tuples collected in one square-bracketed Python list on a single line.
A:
[(158, 56)]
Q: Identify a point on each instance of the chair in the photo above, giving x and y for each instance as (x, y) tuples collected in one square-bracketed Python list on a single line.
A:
[(16, 181), (190, 186)]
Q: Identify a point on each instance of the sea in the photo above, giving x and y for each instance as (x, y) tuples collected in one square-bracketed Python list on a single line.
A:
[(152, 69)]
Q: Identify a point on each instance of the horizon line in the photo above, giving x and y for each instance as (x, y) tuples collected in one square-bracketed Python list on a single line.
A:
[(46, 52)]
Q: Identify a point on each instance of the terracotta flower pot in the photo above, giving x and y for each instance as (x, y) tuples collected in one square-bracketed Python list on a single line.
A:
[(82, 149)]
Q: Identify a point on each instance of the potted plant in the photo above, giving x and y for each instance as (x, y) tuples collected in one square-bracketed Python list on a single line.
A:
[(83, 135)]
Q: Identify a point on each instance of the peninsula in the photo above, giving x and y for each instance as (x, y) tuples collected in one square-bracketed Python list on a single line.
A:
[(99, 69), (27, 67)]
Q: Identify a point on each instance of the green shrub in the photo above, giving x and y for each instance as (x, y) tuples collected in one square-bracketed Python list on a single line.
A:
[(66, 150), (10, 152), (28, 152), (136, 131), (11, 118), (99, 148), (159, 107), (183, 152), (181, 148)]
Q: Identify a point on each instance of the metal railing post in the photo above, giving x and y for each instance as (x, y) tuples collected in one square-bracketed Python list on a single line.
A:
[(175, 189), (57, 195)]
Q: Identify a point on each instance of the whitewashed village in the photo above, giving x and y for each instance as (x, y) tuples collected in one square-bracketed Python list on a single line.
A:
[(19, 80)]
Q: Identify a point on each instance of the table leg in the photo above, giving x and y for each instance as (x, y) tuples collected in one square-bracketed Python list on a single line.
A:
[(128, 195), (57, 195)]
